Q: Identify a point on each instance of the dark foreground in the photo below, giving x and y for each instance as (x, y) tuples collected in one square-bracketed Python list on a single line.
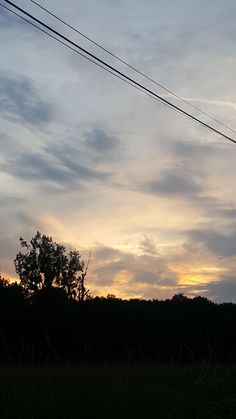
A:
[(118, 391)]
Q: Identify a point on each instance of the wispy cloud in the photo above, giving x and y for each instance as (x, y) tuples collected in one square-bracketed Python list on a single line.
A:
[(178, 181), (223, 103), (21, 102), (222, 245), (112, 266)]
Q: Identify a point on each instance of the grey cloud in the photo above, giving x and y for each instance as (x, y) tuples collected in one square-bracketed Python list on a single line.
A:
[(148, 245), (105, 275), (64, 164), (105, 253), (191, 150), (11, 201), (9, 21), (223, 290), (220, 244), (227, 213), (172, 183), (204, 38), (15, 221), (154, 278), (85, 172), (194, 158), (108, 262), (33, 167), (5, 18), (71, 159), (146, 277), (102, 143), (55, 166), (91, 147), (9, 146), (20, 101), (87, 154), (152, 270), (144, 269)]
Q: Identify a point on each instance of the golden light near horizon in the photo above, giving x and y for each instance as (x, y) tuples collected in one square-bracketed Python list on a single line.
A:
[(201, 275)]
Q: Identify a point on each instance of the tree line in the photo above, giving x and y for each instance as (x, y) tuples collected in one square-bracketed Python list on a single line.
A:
[(50, 317)]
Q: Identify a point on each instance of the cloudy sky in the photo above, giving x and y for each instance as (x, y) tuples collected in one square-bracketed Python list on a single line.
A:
[(97, 165)]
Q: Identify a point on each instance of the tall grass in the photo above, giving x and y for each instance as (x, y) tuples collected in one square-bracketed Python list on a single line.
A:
[(118, 391)]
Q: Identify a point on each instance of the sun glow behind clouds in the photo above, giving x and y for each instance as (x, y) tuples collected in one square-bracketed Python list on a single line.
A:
[(201, 275)]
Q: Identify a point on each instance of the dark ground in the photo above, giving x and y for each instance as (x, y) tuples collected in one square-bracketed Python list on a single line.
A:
[(118, 391)]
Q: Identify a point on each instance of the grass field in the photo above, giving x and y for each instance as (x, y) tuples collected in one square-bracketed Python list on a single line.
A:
[(118, 391)]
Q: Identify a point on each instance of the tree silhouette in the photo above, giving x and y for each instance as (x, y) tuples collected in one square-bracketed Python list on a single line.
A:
[(46, 264), (3, 282), (180, 298)]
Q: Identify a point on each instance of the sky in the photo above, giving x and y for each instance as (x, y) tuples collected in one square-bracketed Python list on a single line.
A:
[(101, 167)]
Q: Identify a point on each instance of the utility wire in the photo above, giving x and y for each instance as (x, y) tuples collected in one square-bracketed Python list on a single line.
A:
[(130, 66), (113, 69), (84, 56), (87, 58)]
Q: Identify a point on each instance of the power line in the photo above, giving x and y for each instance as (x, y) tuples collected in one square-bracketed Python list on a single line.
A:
[(113, 69), (130, 66), (87, 58), (84, 56)]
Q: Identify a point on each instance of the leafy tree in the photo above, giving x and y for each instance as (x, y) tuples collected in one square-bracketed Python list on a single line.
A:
[(3, 282), (202, 300), (180, 298), (46, 264)]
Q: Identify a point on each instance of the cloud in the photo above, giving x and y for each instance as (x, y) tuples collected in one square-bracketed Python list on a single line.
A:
[(102, 144), (20, 101), (113, 266), (220, 244), (90, 147), (18, 218), (5, 18), (76, 160), (191, 150), (9, 146), (10, 21), (88, 155), (148, 245), (173, 182), (222, 103), (36, 168), (223, 290), (9, 202), (228, 213), (56, 165)]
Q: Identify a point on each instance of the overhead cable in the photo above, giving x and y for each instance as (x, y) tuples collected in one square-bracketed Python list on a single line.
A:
[(123, 75), (131, 66), (84, 56)]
